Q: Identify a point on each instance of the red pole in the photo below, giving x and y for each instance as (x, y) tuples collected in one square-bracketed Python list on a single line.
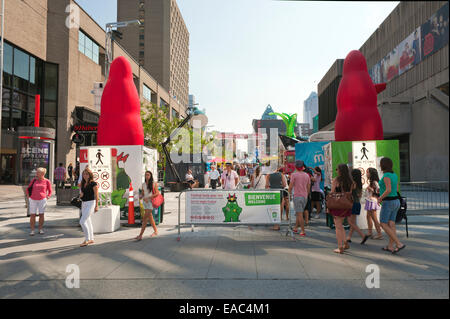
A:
[(37, 109)]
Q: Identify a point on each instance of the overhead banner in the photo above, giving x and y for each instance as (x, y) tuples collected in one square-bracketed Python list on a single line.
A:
[(233, 207)]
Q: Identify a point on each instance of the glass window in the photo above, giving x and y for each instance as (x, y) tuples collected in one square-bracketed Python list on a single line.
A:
[(31, 104), (50, 108), (32, 70), (51, 81), (21, 64), (95, 52), (7, 58), (146, 93), (30, 119), (19, 118), (36, 72), (48, 121), (81, 38), (6, 117), (88, 48), (19, 101)]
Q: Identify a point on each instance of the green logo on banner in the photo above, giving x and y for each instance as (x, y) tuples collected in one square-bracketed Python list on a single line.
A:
[(261, 199)]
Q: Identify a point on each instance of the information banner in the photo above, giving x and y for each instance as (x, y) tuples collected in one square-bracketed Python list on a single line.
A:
[(100, 164), (233, 207), (312, 155)]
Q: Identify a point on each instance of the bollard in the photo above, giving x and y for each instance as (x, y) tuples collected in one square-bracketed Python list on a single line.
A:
[(130, 206)]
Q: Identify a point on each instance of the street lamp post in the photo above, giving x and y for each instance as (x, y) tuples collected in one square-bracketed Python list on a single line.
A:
[(109, 39)]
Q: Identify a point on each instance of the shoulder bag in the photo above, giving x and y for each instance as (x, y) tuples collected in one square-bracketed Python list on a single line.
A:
[(157, 200), (339, 200), (30, 189)]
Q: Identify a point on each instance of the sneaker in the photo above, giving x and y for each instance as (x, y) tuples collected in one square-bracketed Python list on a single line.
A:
[(41, 232), (317, 216), (32, 233)]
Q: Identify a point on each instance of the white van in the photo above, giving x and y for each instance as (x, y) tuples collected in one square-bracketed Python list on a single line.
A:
[(322, 136)]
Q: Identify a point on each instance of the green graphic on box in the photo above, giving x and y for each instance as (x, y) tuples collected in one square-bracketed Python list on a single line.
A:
[(262, 199)]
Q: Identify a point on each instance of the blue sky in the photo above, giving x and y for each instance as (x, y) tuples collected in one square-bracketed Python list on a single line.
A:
[(245, 54)]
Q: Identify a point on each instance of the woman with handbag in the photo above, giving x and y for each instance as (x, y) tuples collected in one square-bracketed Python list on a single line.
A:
[(340, 203), (89, 205), (152, 199), (390, 204), (38, 192)]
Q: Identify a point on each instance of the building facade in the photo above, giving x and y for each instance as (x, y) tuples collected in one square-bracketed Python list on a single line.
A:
[(310, 109), (55, 49), (409, 52), (160, 43)]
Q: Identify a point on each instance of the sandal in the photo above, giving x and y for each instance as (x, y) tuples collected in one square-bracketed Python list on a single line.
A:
[(365, 239), (387, 249), (138, 238), (398, 249), (346, 245), (84, 244), (378, 237), (340, 250), (153, 235)]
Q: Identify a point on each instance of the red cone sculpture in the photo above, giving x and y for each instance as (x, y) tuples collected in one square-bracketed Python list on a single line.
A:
[(357, 116), (120, 118)]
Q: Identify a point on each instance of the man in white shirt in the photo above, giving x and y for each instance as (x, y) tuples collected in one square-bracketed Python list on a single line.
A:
[(213, 177), (230, 178)]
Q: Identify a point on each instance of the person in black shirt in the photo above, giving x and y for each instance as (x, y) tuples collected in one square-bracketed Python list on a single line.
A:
[(89, 198)]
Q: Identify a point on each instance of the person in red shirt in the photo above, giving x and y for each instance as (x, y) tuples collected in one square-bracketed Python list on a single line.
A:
[(41, 190)]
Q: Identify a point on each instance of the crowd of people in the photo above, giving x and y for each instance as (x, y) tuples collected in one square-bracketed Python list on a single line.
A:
[(302, 186)]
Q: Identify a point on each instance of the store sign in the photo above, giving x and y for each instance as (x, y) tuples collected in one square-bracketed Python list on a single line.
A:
[(84, 128), (99, 159), (233, 206)]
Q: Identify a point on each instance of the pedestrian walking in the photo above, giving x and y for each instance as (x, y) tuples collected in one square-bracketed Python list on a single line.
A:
[(276, 180), (213, 177), (316, 192), (390, 204), (89, 205), (341, 184), (38, 192), (371, 206), (148, 191), (308, 207), (230, 179), (70, 171), (300, 183), (60, 176), (356, 209)]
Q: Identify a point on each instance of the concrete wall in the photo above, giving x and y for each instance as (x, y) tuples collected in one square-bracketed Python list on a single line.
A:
[(26, 25), (429, 144)]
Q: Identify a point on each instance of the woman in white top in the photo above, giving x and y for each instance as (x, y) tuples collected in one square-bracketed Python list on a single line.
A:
[(371, 206), (147, 193), (258, 179)]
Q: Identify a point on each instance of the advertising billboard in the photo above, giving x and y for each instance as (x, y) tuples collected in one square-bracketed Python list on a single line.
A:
[(434, 32), (409, 51)]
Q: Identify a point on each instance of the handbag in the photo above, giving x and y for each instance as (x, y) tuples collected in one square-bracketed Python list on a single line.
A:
[(157, 200), (76, 201), (339, 201), (30, 189)]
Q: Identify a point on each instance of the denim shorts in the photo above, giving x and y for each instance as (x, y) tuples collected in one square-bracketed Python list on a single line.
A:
[(356, 209), (389, 209)]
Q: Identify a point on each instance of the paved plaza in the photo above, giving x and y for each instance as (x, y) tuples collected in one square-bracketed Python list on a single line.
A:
[(213, 262)]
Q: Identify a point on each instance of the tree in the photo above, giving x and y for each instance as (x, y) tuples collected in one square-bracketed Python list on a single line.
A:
[(157, 127)]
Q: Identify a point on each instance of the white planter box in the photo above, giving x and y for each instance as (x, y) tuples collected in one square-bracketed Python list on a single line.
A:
[(106, 220)]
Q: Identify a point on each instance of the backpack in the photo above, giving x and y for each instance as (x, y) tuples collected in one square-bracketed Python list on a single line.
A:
[(401, 214)]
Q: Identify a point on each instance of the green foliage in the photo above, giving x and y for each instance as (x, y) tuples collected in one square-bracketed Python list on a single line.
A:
[(157, 127)]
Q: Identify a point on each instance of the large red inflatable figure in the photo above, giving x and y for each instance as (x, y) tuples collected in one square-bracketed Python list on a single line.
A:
[(120, 118), (357, 116)]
